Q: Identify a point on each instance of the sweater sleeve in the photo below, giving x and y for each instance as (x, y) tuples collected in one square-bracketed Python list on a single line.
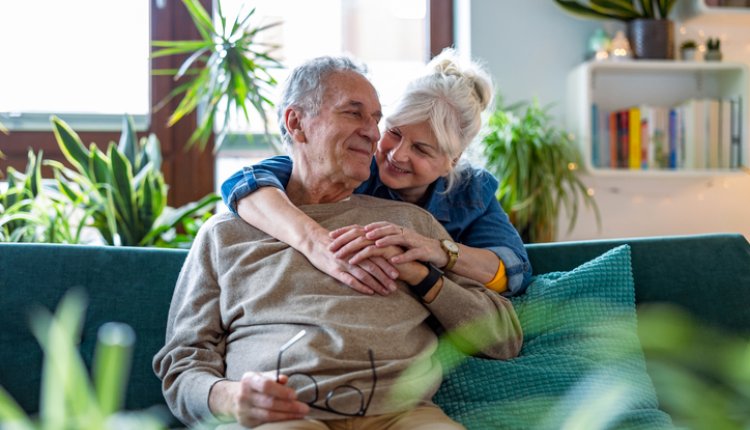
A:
[(192, 359), (476, 319)]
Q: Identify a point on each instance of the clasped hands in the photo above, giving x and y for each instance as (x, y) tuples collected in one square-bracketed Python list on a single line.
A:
[(370, 258)]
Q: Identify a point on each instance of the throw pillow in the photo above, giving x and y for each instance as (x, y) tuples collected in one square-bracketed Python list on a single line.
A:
[(581, 365)]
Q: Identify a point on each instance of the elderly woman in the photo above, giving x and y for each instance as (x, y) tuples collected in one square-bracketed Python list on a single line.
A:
[(417, 160)]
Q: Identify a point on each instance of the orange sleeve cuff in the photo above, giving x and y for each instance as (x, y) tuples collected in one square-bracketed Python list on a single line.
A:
[(500, 282)]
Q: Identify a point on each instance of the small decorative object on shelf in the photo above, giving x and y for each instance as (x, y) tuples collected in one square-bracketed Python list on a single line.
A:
[(687, 50), (649, 30), (599, 45), (621, 47), (713, 49)]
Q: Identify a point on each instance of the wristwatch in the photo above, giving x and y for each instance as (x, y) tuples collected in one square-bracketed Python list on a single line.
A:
[(451, 249), (422, 288)]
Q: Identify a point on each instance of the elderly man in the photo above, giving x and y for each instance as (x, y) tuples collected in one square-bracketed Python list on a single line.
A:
[(258, 336)]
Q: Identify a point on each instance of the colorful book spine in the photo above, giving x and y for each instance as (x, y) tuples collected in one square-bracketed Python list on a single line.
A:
[(634, 138)]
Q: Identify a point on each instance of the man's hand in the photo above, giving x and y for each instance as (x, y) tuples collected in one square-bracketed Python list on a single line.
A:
[(256, 399)]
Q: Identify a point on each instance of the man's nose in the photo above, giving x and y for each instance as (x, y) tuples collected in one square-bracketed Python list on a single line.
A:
[(370, 129)]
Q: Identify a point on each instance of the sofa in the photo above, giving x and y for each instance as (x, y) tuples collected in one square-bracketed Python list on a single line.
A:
[(708, 276)]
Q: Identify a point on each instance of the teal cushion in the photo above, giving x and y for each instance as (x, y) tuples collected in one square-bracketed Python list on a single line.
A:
[(581, 365)]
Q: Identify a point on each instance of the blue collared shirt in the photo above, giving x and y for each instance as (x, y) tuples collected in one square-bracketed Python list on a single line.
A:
[(469, 211)]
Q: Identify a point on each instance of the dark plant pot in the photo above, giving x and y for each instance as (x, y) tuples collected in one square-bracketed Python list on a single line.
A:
[(651, 38)]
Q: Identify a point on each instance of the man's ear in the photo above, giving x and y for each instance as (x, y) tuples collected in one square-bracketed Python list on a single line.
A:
[(293, 122)]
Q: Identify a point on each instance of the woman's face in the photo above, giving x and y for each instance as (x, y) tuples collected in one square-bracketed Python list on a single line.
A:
[(409, 160)]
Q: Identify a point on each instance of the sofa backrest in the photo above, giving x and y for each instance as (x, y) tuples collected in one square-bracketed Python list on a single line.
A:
[(707, 274), (123, 284)]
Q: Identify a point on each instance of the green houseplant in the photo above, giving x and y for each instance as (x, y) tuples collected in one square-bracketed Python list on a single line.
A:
[(228, 67), (29, 212), (122, 191), (650, 32), (537, 165), (687, 50), (713, 49)]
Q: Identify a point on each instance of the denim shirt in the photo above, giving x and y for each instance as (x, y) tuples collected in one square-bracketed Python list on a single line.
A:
[(469, 212)]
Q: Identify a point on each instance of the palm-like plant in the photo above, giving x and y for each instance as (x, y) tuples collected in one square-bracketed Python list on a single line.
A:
[(228, 67), (537, 165), (622, 10), (123, 191)]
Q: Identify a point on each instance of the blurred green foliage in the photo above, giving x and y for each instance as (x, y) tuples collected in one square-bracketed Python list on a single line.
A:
[(701, 373), (69, 398)]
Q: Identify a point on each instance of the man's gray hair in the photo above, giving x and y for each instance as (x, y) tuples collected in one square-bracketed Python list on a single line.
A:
[(305, 86)]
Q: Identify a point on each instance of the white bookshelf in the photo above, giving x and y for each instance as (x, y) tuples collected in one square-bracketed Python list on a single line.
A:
[(687, 10), (615, 85)]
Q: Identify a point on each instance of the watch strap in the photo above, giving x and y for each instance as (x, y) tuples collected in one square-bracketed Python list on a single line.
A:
[(424, 286)]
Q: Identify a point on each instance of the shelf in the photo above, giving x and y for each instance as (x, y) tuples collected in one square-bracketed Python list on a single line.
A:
[(687, 10), (667, 173), (620, 85)]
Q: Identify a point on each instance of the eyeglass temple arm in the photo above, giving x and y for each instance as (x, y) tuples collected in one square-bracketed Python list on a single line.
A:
[(286, 346)]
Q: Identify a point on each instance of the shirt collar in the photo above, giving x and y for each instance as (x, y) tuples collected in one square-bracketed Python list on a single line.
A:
[(437, 203)]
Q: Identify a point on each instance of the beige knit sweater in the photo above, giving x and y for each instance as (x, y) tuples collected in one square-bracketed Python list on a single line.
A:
[(242, 294)]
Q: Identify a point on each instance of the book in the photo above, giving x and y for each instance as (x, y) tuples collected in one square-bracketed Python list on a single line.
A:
[(712, 133), (736, 133), (595, 137), (634, 138), (672, 139), (695, 134), (725, 133), (613, 138)]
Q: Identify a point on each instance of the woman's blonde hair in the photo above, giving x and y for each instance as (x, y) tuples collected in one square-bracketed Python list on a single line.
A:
[(451, 97)]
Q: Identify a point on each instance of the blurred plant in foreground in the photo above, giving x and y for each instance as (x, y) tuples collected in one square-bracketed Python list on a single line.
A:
[(702, 375), (69, 399)]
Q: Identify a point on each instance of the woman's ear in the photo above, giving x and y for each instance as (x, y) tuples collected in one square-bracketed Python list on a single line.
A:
[(293, 122)]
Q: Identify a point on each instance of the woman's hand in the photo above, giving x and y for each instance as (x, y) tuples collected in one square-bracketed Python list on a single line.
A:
[(367, 276), (416, 247)]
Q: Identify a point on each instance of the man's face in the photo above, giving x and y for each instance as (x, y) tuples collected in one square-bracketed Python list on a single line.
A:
[(341, 139)]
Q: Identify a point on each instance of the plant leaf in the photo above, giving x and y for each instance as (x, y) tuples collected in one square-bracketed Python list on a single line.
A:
[(70, 144), (128, 145), (122, 194), (171, 218)]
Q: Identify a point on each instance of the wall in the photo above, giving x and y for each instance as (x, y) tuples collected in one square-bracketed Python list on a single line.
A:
[(531, 45)]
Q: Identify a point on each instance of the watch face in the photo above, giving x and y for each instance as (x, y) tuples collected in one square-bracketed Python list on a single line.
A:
[(450, 246)]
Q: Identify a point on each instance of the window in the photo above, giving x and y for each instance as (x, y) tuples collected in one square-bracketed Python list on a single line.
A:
[(190, 174), (389, 36), (89, 68)]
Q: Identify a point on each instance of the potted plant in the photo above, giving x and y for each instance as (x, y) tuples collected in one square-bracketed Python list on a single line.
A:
[(228, 68), (650, 33), (122, 191), (687, 50), (713, 49), (537, 165)]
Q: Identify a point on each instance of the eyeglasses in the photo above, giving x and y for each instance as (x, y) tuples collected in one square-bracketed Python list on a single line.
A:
[(337, 390)]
